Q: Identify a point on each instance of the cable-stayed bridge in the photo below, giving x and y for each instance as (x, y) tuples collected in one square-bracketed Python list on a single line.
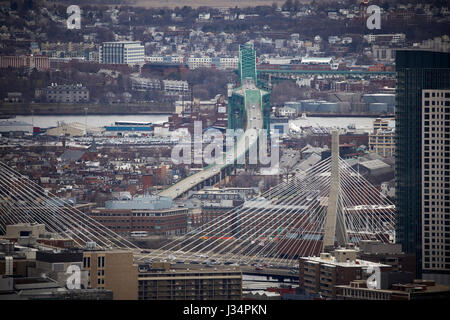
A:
[(24, 201), (328, 205)]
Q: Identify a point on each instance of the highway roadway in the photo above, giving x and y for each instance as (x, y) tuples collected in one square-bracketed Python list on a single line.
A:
[(254, 121)]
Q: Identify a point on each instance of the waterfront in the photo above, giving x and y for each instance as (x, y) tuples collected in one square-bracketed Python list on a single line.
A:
[(362, 123), (92, 120)]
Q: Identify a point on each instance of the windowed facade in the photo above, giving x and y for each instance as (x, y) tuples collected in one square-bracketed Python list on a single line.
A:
[(416, 71), (125, 52), (436, 181)]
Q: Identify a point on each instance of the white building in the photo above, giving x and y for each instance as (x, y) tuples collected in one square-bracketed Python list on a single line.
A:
[(154, 59), (15, 126), (287, 112), (75, 93), (226, 63), (435, 185), (176, 87), (392, 38), (164, 59), (122, 52), (317, 60), (279, 60), (199, 62), (145, 84)]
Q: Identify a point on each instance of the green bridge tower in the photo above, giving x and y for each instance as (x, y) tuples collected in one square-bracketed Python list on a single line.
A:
[(249, 93)]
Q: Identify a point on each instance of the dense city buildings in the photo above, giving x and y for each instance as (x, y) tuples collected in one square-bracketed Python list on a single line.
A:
[(353, 203), (419, 72)]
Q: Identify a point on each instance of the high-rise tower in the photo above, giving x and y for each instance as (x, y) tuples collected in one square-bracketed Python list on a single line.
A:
[(417, 73)]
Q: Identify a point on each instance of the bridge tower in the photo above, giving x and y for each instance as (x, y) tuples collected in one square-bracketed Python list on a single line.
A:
[(238, 97), (334, 224)]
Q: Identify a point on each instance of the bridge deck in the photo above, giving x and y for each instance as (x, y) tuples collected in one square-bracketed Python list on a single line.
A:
[(254, 121)]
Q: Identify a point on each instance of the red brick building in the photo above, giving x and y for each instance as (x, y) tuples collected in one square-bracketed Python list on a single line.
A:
[(155, 215)]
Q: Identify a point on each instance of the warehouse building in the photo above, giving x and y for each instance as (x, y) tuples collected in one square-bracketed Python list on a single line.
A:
[(74, 129), (12, 127)]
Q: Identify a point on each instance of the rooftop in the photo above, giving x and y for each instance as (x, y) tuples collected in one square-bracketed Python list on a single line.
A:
[(374, 164), (145, 203), (331, 261)]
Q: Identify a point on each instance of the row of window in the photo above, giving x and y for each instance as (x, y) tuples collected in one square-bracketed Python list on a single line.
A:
[(366, 294), (436, 103), (437, 94), (437, 265)]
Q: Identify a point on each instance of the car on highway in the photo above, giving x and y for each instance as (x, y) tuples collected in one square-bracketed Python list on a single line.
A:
[(258, 268)]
